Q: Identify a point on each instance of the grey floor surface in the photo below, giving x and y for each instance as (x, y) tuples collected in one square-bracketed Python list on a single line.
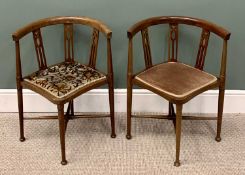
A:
[(90, 150)]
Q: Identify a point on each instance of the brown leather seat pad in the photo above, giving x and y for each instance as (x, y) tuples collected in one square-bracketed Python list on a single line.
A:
[(176, 79)]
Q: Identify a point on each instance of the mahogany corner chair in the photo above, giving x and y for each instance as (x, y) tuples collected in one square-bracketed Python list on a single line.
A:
[(174, 81), (62, 82)]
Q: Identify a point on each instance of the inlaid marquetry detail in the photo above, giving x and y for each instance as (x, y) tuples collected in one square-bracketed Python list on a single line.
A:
[(173, 42), (94, 47), (202, 49), (37, 37), (68, 42), (146, 47)]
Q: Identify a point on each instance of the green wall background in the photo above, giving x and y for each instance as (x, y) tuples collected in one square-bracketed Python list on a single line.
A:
[(120, 15)]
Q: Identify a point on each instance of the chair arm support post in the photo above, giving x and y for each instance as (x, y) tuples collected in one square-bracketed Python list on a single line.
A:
[(223, 65), (109, 59), (18, 65), (130, 58)]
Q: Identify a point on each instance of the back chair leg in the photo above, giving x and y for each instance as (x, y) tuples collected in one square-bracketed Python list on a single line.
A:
[(178, 133), (62, 132), (220, 113), (112, 112), (129, 110), (21, 119), (69, 113), (72, 107), (171, 113)]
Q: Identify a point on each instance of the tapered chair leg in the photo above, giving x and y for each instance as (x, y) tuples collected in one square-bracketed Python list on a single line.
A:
[(111, 102), (21, 119), (178, 133), (129, 110), (220, 113), (62, 132)]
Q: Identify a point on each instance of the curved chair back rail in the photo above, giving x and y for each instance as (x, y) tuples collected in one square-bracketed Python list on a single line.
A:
[(62, 20), (178, 20)]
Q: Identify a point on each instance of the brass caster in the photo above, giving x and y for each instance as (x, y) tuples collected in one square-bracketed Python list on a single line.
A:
[(22, 139), (218, 139), (128, 136), (113, 135), (63, 162), (177, 164)]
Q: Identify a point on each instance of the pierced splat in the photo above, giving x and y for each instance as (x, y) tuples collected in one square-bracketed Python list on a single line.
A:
[(94, 47), (202, 49), (146, 47), (173, 43), (37, 37), (68, 42)]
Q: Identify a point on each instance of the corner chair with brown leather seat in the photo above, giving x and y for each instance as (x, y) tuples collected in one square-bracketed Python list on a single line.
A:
[(63, 82), (175, 81)]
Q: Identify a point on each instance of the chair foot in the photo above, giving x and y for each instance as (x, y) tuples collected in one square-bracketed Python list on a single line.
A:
[(218, 139), (22, 139), (113, 135), (63, 162), (177, 163), (128, 136)]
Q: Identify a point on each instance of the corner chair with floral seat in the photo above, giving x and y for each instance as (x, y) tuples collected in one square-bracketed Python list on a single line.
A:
[(63, 82)]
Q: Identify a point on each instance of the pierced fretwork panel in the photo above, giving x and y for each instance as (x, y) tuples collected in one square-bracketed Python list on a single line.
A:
[(173, 42), (37, 37), (146, 47), (202, 49), (94, 47), (68, 42)]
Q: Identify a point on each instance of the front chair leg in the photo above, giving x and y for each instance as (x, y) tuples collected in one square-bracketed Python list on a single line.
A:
[(220, 113), (61, 118), (178, 133), (111, 102), (129, 110), (21, 120)]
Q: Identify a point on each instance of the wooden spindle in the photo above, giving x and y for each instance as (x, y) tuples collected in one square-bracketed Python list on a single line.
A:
[(173, 42), (37, 37), (146, 47), (202, 49), (94, 47), (68, 42)]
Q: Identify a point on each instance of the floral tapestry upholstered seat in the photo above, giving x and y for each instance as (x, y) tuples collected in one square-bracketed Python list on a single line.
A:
[(64, 79)]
